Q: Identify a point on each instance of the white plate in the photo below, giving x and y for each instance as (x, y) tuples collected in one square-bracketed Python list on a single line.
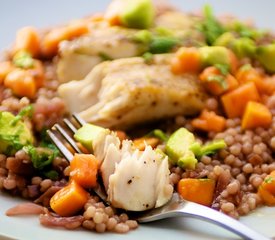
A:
[(28, 228), (15, 14)]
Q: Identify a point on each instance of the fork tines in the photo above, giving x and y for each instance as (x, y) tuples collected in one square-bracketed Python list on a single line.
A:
[(62, 135)]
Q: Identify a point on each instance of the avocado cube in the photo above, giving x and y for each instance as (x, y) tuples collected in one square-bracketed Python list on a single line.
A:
[(214, 55), (225, 39), (244, 47), (177, 148), (266, 56), (87, 134), (137, 13), (14, 134)]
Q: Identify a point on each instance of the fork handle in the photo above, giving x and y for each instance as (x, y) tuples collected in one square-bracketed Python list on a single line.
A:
[(201, 212)]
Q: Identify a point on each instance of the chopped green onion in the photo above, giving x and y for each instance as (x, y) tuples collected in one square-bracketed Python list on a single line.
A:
[(163, 44), (207, 149), (210, 26)]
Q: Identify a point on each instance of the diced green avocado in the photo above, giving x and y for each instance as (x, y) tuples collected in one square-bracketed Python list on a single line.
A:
[(266, 56), (87, 134), (137, 14), (214, 55), (188, 161), (14, 134), (224, 40), (177, 148), (244, 47)]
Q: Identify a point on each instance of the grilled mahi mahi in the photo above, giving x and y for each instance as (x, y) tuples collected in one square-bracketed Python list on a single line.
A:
[(124, 92), (79, 56)]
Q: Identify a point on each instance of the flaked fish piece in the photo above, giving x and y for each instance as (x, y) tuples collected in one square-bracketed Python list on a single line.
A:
[(79, 56), (134, 180), (112, 157), (163, 188), (134, 185), (101, 144), (125, 92)]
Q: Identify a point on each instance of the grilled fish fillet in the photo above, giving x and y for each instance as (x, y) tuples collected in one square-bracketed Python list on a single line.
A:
[(125, 92), (79, 56)]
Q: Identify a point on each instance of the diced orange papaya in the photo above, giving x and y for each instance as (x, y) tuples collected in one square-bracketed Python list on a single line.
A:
[(27, 39), (267, 197), (84, 169), (21, 83), (197, 190), (256, 115), (69, 200), (5, 68), (226, 83), (234, 102), (189, 59), (209, 121)]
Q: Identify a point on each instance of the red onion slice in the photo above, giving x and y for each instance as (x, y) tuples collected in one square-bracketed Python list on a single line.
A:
[(25, 209)]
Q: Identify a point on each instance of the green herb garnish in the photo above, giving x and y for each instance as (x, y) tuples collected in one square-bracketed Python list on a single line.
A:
[(23, 59), (207, 149), (148, 57), (25, 112), (223, 68), (158, 134), (269, 180), (40, 157), (219, 79), (163, 44), (104, 56)]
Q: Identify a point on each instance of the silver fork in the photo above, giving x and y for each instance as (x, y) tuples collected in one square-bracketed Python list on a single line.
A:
[(176, 207), (56, 130)]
